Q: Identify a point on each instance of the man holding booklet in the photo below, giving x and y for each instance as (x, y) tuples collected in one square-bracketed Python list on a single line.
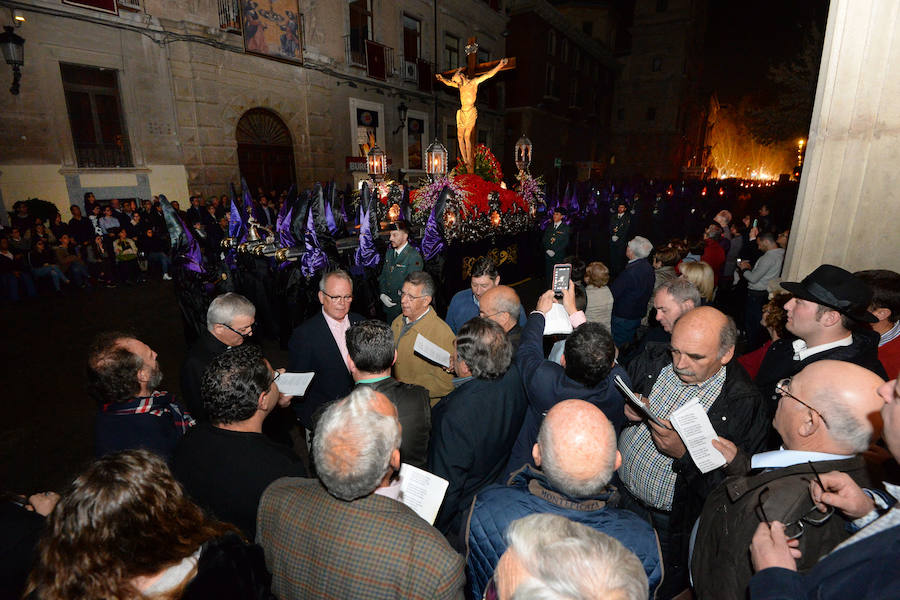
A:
[(693, 386)]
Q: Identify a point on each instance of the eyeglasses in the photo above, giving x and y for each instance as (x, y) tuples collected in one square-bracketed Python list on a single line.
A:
[(243, 332), (782, 388), (410, 296), (484, 316), (794, 529), (338, 298)]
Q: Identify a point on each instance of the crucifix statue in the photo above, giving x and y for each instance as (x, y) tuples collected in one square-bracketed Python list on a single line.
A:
[(468, 90)]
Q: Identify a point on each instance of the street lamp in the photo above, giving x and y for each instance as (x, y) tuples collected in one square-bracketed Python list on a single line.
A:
[(377, 166), (13, 48), (436, 159), (523, 154), (402, 111)]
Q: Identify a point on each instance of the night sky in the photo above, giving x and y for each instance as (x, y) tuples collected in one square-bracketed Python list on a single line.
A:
[(746, 37)]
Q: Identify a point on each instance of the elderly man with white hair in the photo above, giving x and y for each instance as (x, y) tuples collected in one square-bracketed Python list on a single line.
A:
[(825, 417), (631, 291), (576, 457), (552, 557), (230, 319), (336, 536)]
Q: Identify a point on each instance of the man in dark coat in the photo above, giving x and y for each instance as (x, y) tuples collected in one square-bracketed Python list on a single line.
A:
[(827, 315), (660, 480), (225, 465), (319, 345), (474, 427), (501, 305), (823, 418), (587, 372), (631, 291), (230, 319), (554, 242), (576, 453), (370, 345), (123, 375), (864, 566), (400, 260)]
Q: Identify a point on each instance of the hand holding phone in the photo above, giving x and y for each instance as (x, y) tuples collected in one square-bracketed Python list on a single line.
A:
[(561, 275)]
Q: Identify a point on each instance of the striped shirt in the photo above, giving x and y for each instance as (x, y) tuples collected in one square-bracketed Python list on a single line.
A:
[(646, 472), (890, 335)]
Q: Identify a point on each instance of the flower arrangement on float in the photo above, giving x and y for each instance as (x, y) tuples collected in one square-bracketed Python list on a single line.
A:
[(480, 205)]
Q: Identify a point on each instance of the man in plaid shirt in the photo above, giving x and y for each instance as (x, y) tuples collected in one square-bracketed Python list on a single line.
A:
[(660, 481)]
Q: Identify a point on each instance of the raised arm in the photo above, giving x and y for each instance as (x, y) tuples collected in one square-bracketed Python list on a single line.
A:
[(503, 62), (445, 81)]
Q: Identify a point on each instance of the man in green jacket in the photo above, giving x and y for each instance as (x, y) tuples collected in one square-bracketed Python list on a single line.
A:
[(400, 260), (554, 242)]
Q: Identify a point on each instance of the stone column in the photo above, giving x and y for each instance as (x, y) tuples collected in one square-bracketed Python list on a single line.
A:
[(848, 206)]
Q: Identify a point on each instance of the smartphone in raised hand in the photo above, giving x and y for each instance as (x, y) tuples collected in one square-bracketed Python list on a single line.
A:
[(561, 275)]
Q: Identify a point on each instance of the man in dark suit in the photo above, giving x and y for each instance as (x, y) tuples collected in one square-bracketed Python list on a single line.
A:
[(864, 566), (370, 345), (340, 536), (475, 426), (319, 345), (631, 291), (555, 241), (828, 315), (230, 319)]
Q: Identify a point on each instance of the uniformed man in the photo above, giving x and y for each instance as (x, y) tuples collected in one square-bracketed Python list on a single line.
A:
[(400, 260), (554, 242)]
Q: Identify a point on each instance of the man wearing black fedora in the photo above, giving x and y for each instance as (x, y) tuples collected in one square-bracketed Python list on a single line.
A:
[(826, 317)]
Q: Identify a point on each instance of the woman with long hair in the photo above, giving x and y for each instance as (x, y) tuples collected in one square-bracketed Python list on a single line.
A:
[(125, 530)]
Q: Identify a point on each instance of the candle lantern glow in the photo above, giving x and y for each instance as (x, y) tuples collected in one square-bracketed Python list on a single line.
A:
[(377, 163), (436, 159), (523, 153)]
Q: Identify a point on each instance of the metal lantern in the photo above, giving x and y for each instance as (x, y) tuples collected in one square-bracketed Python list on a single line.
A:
[(13, 48), (449, 218), (523, 153), (377, 163), (436, 159)]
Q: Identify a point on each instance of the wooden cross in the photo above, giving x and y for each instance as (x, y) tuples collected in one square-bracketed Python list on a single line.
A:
[(473, 67)]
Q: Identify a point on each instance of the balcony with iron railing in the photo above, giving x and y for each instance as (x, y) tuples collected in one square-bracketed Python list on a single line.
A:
[(377, 59), (134, 5), (103, 156), (230, 15)]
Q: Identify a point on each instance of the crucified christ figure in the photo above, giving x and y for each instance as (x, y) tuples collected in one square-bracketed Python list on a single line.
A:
[(467, 114)]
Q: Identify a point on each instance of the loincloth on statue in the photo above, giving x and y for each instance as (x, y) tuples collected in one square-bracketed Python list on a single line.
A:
[(466, 116)]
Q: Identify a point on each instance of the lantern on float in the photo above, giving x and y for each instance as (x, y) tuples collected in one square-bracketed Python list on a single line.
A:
[(394, 212), (523, 154), (436, 159), (376, 160), (449, 218)]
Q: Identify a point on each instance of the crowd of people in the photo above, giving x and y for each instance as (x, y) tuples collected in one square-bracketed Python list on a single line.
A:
[(557, 486)]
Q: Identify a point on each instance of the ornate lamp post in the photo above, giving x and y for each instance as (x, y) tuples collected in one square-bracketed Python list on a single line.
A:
[(523, 154), (436, 159), (13, 48), (377, 163)]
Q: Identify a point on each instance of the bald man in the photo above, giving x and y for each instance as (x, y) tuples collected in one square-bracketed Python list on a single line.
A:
[(576, 456), (827, 416), (660, 481), (501, 305)]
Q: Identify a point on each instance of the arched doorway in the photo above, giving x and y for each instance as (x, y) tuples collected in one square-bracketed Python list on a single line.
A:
[(265, 151)]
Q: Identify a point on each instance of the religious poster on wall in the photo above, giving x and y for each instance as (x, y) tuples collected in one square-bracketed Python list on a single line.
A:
[(366, 130), (414, 133), (107, 6), (272, 28)]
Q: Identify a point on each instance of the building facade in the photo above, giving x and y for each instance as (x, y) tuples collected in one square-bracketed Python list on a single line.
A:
[(561, 93), (133, 98), (659, 110)]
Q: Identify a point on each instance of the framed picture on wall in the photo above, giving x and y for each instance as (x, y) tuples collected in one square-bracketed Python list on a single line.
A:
[(272, 28), (107, 6)]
